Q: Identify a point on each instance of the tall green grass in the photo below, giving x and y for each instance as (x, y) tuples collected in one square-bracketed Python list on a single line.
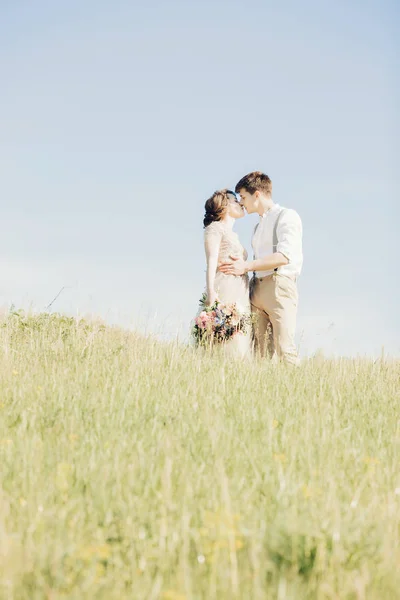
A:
[(135, 469)]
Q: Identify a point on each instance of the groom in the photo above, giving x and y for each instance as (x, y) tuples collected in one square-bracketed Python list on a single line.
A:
[(278, 258)]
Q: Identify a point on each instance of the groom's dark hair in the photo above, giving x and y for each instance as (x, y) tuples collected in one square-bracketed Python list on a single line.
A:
[(253, 182)]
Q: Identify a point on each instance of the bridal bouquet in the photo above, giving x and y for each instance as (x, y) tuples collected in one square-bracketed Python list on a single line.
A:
[(219, 322)]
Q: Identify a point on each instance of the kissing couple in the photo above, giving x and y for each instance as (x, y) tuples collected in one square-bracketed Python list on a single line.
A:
[(258, 316)]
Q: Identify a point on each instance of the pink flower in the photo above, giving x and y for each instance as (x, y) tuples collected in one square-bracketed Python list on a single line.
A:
[(199, 322), (203, 315)]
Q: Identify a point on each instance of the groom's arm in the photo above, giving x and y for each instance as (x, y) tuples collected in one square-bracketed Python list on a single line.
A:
[(267, 263), (289, 235)]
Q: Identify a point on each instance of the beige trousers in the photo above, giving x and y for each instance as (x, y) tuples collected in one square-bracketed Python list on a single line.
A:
[(274, 306)]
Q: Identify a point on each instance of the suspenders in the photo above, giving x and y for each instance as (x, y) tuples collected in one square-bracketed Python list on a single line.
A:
[(274, 236)]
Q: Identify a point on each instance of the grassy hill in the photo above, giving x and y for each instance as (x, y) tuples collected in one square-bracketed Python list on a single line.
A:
[(134, 469)]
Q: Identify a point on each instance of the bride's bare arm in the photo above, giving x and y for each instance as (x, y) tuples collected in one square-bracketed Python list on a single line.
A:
[(212, 242)]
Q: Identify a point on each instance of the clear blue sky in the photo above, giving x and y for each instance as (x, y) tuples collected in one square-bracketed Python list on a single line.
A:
[(118, 119)]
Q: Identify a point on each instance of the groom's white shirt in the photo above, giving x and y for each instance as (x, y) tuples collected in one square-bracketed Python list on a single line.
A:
[(289, 233)]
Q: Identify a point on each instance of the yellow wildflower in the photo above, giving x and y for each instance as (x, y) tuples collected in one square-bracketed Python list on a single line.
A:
[(309, 492), (306, 491), (370, 461), (98, 552), (280, 458)]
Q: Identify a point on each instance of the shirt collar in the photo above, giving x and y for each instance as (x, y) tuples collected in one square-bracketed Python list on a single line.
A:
[(270, 211)]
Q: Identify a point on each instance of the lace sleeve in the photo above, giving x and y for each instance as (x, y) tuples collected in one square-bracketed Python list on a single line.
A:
[(212, 239)]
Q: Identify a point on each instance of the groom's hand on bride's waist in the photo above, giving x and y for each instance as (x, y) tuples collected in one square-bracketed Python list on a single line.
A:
[(236, 266)]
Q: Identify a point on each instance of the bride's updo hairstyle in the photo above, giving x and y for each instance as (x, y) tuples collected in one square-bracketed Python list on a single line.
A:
[(216, 206)]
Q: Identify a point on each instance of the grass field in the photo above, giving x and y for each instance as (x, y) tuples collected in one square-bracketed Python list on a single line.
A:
[(133, 469)]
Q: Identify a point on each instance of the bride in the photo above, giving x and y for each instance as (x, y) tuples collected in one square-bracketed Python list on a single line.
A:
[(221, 243)]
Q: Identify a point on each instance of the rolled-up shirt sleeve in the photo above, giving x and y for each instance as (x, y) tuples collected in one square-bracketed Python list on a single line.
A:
[(289, 233)]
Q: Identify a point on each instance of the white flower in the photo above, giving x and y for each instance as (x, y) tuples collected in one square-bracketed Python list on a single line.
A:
[(201, 559), (397, 491), (353, 503)]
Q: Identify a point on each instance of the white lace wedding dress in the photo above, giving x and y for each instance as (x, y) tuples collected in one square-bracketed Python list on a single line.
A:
[(230, 288)]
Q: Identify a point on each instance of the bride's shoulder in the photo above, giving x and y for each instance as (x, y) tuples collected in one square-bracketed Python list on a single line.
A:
[(214, 227)]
